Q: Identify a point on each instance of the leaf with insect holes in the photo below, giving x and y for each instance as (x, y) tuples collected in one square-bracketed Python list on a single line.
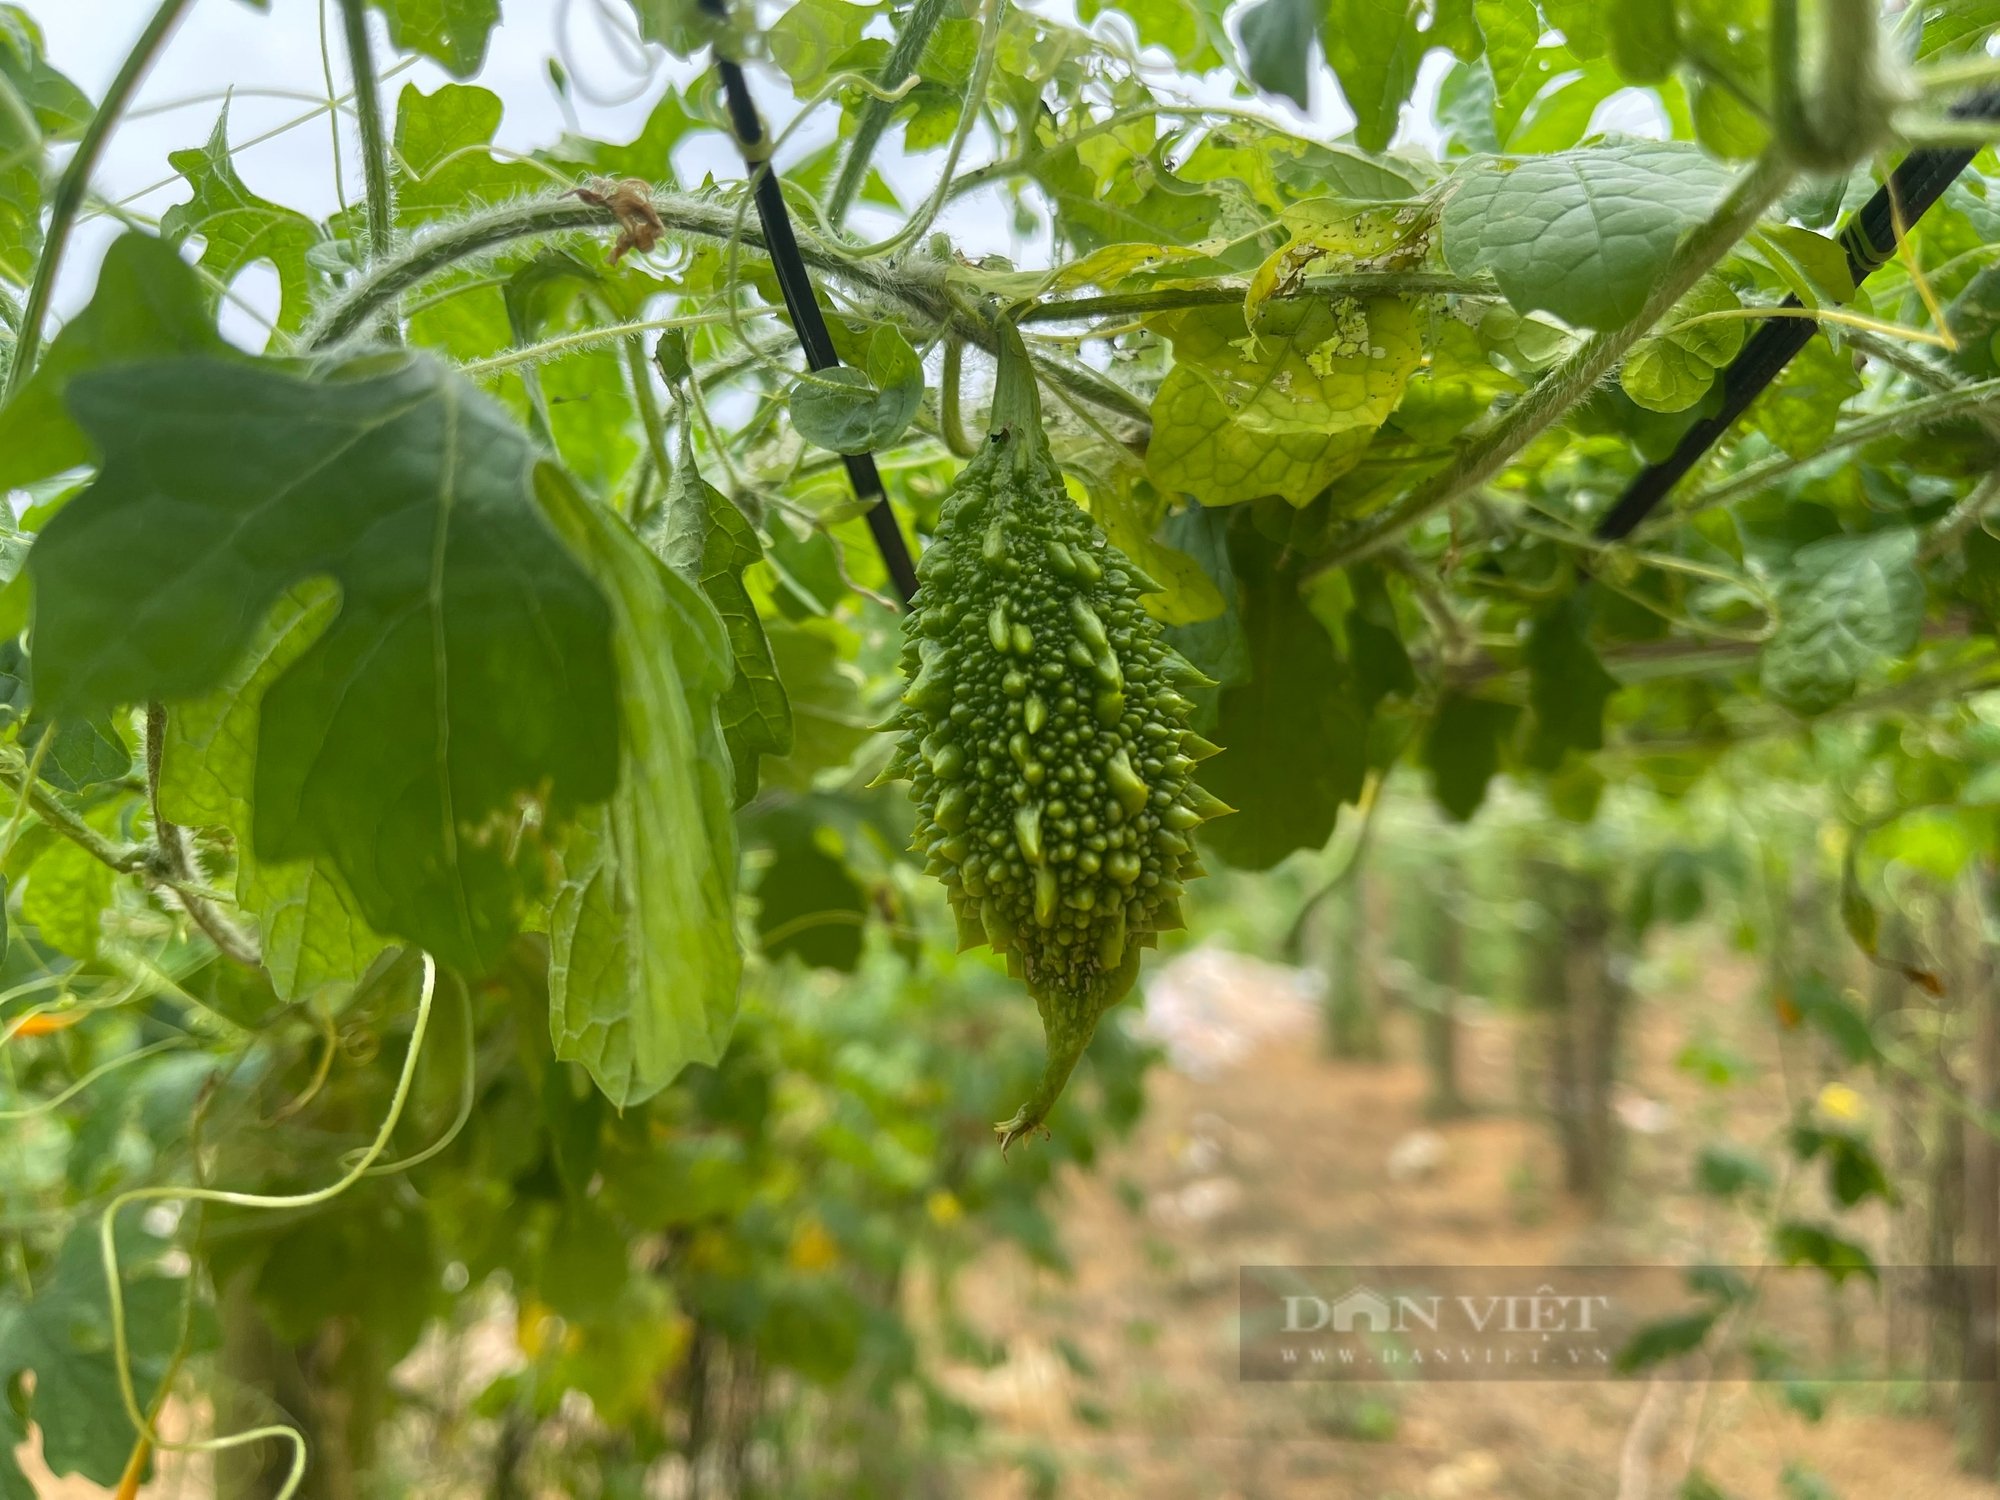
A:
[(1284, 412), (467, 670)]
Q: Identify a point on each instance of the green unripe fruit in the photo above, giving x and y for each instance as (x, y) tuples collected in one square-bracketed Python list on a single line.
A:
[(1060, 835)]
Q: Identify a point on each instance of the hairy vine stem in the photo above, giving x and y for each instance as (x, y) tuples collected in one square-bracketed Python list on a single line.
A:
[(1223, 294), (899, 67), (533, 218), (374, 142), (74, 185), (179, 864), (125, 859), (1543, 405), (951, 382), (1913, 416), (1960, 519)]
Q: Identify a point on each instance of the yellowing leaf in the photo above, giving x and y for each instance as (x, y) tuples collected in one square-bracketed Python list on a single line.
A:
[(1285, 414), (1112, 264), (1382, 235)]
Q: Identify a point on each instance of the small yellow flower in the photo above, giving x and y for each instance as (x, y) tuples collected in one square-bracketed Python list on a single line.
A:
[(1839, 1102), (944, 1208)]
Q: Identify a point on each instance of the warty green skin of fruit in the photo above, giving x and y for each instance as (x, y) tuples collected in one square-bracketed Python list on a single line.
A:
[(1045, 735)]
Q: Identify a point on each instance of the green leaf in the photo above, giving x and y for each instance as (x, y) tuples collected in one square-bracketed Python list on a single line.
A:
[(469, 666), (67, 891), (85, 752), (1857, 912), (452, 33), (51, 108), (1671, 370), (1216, 647), (1800, 1244), (705, 538), (442, 164), (1665, 1338), (1285, 412), (148, 303), (1131, 515), (1954, 28), (1375, 643), (1822, 261), (313, 935), (1581, 23), (1374, 46), (1583, 234), (1567, 684), (1724, 1171), (1512, 29), (811, 35), (830, 721), (1294, 738), (849, 411), (1462, 750), (1847, 606), (238, 229), (643, 963), (808, 902), (63, 1336), (1184, 29), (1645, 39), (1823, 1006), (1800, 412), (1278, 40)]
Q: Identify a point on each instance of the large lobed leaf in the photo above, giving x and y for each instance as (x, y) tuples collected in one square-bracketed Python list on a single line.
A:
[(237, 228), (467, 671), (314, 937)]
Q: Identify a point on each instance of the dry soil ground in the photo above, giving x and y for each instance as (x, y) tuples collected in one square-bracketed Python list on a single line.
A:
[(1126, 1375)]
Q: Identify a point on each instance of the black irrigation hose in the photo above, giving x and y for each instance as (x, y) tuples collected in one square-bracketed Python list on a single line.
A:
[(803, 304), (1869, 238)]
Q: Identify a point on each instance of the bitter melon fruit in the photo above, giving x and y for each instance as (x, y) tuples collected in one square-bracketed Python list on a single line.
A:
[(1046, 738)]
